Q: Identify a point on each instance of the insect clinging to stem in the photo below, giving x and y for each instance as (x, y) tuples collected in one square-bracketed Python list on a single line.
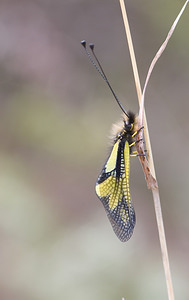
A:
[(112, 186)]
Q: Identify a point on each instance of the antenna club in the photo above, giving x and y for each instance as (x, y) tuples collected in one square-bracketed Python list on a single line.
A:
[(99, 68), (83, 43), (91, 45)]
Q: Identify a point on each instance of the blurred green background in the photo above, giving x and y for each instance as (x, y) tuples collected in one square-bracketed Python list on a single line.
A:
[(55, 117)]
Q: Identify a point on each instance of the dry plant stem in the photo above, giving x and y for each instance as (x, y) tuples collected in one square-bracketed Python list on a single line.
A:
[(148, 176), (148, 166), (155, 192), (162, 239), (151, 180), (157, 56)]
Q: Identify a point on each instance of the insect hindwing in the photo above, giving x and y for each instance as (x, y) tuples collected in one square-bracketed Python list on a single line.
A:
[(112, 188)]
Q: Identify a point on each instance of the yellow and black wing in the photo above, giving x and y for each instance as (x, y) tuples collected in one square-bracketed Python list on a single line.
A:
[(112, 188)]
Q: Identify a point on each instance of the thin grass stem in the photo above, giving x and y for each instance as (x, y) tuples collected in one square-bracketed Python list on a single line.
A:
[(149, 169)]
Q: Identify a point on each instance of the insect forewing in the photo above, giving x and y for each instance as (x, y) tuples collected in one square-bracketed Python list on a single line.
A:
[(112, 188)]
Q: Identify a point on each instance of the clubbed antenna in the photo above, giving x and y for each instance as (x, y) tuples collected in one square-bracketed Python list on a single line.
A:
[(100, 70)]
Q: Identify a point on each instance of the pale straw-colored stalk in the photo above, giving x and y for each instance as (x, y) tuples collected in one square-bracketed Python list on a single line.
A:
[(148, 165)]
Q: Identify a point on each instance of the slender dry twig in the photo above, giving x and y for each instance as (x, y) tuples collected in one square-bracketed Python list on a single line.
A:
[(157, 56), (150, 171)]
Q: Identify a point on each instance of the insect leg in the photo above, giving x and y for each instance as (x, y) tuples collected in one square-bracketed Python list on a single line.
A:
[(132, 144), (136, 132), (134, 155)]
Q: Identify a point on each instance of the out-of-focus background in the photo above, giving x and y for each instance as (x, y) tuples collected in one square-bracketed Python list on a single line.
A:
[(55, 117)]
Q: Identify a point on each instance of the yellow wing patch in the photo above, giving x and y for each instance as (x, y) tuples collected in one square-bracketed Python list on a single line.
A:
[(111, 163), (112, 188)]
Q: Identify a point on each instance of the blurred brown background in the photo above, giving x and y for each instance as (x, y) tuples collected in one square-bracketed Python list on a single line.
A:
[(55, 117)]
